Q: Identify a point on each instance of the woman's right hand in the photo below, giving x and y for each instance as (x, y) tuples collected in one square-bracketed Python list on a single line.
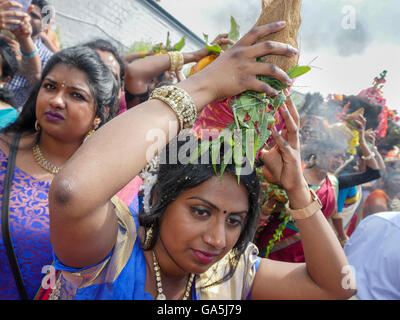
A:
[(235, 71)]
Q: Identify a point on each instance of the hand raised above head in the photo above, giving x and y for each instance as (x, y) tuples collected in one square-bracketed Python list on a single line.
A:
[(10, 19), (236, 70), (6, 4), (283, 160)]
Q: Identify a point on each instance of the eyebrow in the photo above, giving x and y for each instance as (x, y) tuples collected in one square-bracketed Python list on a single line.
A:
[(35, 15), (215, 207), (73, 88)]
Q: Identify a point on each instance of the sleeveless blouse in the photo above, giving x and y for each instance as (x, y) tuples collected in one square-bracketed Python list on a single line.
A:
[(29, 230)]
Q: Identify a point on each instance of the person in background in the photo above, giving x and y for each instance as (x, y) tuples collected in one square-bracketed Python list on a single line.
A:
[(9, 67), (112, 59), (22, 84), (373, 252), (48, 36), (143, 75), (386, 197)]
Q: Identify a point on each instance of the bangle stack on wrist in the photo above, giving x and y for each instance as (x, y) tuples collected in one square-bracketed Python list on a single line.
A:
[(179, 101), (370, 157), (29, 55), (177, 60)]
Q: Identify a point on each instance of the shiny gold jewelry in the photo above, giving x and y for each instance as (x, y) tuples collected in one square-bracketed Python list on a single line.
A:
[(90, 133), (41, 160), (37, 126), (177, 60), (180, 102), (160, 294), (149, 238), (308, 211), (369, 157)]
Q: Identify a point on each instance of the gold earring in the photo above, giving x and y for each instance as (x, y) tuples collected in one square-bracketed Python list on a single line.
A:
[(149, 238), (37, 126), (89, 135)]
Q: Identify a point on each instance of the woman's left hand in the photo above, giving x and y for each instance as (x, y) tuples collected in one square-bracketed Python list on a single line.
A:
[(283, 160)]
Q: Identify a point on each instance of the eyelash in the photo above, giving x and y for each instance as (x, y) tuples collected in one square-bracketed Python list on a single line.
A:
[(76, 95), (48, 86), (200, 213)]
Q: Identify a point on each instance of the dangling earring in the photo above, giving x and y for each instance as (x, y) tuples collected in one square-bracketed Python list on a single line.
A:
[(149, 238), (37, 126), (89, 135)]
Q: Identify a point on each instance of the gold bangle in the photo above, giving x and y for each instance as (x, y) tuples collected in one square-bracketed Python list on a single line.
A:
[(179, 101), (177, 60), (308, 211), (370, 157)]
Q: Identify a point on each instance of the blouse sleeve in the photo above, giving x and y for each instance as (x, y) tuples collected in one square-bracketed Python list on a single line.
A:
[(355, 179), (106, 271)]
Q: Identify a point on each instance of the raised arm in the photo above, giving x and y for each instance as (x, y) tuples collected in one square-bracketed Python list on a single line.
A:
[(322, 276), (18, 23), (139, 72), (83, 225)]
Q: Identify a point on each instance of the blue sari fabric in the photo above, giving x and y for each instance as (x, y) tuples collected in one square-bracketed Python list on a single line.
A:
[(29, 229), (122, 275)]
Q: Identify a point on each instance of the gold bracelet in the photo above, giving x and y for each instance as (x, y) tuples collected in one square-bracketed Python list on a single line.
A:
[(370, 157), (177, 60), (308, 211), (179, 101)]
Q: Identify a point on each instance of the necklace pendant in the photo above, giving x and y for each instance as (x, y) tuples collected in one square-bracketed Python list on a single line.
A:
[(161, 296)]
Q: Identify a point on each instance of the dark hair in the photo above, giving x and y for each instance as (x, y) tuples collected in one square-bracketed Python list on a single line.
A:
[(101, 82), (40, 3), (107, 46), (9, 69), (175, 178)]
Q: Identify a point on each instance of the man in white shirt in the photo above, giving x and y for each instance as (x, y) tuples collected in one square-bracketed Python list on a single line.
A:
[(373, 251)]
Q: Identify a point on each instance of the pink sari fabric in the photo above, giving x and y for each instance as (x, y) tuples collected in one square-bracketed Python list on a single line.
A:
[(122, 103), (295, 252), (129, 193)]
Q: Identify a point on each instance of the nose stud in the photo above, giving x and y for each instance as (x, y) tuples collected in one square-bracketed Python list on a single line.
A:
[(63, 84)]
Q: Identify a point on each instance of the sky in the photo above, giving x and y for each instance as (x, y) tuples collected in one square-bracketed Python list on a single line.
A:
[(349, 42)]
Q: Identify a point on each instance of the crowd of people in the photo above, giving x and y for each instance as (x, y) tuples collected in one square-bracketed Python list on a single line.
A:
[(89, 215)]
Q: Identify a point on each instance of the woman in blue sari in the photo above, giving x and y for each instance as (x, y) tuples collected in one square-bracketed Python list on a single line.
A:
[(194, 242), (75, 95)]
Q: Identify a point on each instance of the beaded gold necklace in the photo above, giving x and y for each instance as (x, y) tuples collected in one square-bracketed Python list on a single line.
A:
[(41, 160), (160, 294)]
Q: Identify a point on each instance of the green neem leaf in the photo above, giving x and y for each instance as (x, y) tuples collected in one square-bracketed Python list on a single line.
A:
[(280, 100), (298, 71), (212, 48), (202, 149), (274, 83), (179, 46), (168, 44), (227, 158), (234, 34)]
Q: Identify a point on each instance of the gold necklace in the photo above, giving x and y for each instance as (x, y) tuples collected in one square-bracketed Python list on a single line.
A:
[(160, 294), (41, 160)]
